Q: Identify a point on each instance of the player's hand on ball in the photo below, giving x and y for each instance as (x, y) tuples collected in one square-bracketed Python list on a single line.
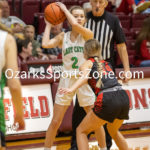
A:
[(47, 23), (62, 6)]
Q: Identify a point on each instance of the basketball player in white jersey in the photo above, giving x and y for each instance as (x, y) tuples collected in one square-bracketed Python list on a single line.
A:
[(72, 44), (8, 60)]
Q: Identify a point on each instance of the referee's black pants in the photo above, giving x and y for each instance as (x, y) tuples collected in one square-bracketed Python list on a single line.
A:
[(77, 116)]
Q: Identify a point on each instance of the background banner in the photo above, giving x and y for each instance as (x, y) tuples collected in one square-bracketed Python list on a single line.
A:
[(139, 94), (38, 108), (38, 105)]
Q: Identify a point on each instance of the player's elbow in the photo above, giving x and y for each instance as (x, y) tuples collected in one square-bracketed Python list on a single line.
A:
[(75, 24), (48, 45), (44, 44), (90, 36)]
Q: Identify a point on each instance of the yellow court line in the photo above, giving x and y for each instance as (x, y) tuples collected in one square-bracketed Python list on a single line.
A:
[(37, 141), (135, 131), (25, 142)]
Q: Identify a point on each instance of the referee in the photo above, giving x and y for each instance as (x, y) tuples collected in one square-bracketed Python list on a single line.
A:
[(108, 31)]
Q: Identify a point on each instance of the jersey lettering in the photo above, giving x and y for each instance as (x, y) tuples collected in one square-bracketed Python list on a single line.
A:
[(76, 49), (68, 51)]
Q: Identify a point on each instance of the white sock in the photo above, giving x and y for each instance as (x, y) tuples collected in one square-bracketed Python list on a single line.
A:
[(47, 148), (103, 148)]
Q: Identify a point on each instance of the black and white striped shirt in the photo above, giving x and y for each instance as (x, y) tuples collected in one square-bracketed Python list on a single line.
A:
[(107, 30)]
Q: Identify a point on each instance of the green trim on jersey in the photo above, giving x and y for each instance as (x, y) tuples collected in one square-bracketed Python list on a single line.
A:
[(2, 112)]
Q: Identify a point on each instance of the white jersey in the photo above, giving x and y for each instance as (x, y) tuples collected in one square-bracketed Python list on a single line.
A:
[(3, 36), (72, 53)]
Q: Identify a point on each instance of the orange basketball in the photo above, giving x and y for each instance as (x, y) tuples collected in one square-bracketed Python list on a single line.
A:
[(54, 14)]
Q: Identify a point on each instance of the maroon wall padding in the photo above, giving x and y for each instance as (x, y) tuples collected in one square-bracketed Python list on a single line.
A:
[(33, 80), (70, 3), (16, 11), (44, 3), (28, 9), (57, 61), (39, 22), (146, 71), (81, 2)]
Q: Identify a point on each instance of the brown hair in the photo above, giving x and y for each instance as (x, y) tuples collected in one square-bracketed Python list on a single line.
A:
[(144, 34), (92, 48), (22, 43), (76, 7), (29, 26)]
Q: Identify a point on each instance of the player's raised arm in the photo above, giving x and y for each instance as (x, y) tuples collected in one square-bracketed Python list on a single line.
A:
[(54, 42), (77, 20)]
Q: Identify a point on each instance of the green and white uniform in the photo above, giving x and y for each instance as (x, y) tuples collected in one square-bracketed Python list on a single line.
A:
[(73, 58), (3, 36)]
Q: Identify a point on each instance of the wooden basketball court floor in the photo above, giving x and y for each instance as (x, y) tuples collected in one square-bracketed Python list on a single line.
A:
[(137, 140)]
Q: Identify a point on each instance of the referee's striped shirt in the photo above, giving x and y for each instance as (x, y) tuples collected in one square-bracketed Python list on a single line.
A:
[(107, 30)]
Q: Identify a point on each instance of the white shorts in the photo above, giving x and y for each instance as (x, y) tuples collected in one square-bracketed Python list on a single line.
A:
[(86, 96)]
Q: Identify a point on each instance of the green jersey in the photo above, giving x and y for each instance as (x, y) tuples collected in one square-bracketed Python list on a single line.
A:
[(2, 112)]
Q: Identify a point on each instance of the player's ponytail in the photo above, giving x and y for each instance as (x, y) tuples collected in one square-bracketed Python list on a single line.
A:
[(100, 71), (92, 48)]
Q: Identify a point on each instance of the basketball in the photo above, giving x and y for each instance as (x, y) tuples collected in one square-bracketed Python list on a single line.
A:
[(54, 14)]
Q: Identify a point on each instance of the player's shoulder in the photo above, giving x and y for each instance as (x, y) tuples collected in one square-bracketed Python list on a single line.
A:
[(10, 38)]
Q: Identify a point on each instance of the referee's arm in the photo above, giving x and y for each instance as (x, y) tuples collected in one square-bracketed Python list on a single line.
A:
[(122, 51)]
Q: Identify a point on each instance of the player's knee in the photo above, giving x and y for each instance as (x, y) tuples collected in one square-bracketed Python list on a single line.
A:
[(80, 130), (2, 148), (55, 123)]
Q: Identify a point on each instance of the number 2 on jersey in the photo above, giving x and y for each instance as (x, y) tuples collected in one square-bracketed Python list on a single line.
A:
[(74, 65)]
